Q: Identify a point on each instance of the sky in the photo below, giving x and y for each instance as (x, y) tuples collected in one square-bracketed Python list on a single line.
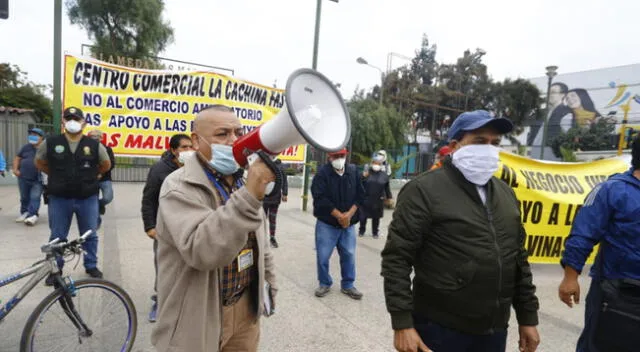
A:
[(265, 41)]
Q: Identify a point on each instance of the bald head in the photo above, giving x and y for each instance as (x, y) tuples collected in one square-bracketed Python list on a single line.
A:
[(216, 124)]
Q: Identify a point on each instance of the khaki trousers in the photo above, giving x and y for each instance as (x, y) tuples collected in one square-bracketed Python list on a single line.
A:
[(240, 328)]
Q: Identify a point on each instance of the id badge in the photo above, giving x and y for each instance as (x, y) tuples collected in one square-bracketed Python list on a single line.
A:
[(245, 259)]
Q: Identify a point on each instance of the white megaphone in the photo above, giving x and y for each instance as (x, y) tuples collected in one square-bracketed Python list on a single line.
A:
[(314, 113)]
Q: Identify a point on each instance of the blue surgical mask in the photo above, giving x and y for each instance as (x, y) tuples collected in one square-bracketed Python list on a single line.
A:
[(33, 139), (222, 159)]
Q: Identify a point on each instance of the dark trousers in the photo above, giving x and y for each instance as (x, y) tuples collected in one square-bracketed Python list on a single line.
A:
[(441, 339), (591, 310), (375, 224), (272, 213)]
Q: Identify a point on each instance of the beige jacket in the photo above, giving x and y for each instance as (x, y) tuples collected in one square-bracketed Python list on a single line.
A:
[(196, 239)]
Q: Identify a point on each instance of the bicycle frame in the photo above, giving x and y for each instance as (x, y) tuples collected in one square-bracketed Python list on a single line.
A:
[(40, 270)]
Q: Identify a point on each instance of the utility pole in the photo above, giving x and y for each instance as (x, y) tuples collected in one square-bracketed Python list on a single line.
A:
[(57, 62), (551, 72), (307, 159)]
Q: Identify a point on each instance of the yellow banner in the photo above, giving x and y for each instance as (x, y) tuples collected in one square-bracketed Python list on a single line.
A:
[(550, 195), (139, 110)]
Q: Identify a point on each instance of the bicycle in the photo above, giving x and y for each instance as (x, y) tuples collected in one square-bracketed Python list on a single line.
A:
[(87, 331)]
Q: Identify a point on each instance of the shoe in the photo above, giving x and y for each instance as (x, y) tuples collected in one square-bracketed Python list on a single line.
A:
[(50, 280), (352, 292), (376, 236), (153, 313), (361, 234), (22, 217), (322, 291), (274, 243), (32, 220), (94, 272), (102, 209)]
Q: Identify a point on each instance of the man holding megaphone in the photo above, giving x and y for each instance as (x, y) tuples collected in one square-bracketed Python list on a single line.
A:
[(213, 257)]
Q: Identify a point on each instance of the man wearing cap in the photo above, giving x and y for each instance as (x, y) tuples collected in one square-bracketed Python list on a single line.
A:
[(73, 161), (29, 178), (337, 193), (470, 264)]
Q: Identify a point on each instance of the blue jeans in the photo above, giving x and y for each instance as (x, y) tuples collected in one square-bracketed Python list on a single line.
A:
[(61, 212), (30, 193), (328, 238), (591, 310), (106, 187), (441, 339)]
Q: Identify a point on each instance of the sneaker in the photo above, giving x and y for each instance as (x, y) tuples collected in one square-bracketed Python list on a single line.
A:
[(322, 291), (352, 292), (22, 217), (94, 272), (153, 313), (274, 243), (32, 220)]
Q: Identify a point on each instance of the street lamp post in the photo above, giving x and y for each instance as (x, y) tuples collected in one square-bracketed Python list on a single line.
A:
[(57, 56), (362, 61), (307, 159), (551, 72)]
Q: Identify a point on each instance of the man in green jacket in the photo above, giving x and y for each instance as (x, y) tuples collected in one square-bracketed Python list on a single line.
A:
[(459, 228)]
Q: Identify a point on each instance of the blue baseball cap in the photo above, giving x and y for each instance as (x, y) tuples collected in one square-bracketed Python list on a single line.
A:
[(473, 120), (37, 131)]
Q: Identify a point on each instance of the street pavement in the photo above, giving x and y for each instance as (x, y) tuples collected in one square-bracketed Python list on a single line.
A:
[(302, 322)]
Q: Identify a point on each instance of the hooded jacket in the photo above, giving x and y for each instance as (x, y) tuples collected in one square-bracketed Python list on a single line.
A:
[(158, 172), (610, 215)]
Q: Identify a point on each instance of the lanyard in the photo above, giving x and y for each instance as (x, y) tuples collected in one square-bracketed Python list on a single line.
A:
[(223, 193)]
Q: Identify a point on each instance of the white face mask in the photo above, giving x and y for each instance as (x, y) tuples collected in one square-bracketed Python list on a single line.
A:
[(376, 167), (338, 164), (477, 162), (73, 126), (182, 156)]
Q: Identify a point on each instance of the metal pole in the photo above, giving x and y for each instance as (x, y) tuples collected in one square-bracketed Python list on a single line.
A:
[(57, 62), (626, 107), (307, 167), (546, 121)]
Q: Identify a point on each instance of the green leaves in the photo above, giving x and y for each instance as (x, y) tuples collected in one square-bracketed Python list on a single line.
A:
[(18, 92), (375, 127), (134, 28)]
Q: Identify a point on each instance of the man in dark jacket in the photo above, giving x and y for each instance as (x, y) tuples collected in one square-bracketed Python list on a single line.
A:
[(180, 148), (272, 203), (609, 216), (106, 185), (337, 194), (459, 228)]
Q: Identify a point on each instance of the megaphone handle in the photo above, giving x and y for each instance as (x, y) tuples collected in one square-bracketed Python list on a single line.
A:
[(275, 169)]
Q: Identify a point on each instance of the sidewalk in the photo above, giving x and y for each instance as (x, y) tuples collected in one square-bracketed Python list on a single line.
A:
[(302, 322)]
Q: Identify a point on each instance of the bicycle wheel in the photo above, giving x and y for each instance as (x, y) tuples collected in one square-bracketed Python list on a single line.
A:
[(105, 308)]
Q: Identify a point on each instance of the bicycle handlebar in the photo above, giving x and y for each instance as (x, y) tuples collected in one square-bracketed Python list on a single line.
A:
[(54, 245)]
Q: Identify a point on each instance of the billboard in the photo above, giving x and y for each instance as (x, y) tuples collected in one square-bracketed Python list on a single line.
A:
[(579, 100), (139, 110)]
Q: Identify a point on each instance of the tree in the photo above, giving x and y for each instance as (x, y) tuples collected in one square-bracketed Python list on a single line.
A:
[(133, 28), (374, 127), (17, 91), (597, 137)]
